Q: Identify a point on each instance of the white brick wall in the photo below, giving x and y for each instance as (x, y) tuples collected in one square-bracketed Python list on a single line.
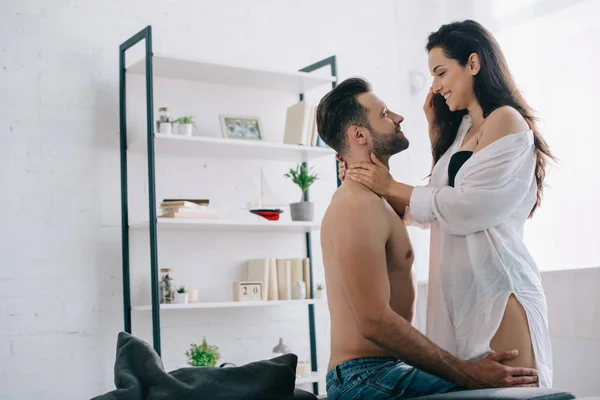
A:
[(60, 274)]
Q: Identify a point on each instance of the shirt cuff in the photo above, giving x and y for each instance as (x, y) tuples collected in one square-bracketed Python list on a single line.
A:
[(421, 204)]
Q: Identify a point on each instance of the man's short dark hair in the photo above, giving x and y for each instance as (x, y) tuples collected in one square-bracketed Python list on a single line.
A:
[(339, 109)]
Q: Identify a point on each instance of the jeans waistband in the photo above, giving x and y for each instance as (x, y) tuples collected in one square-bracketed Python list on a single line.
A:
[(357, 365)]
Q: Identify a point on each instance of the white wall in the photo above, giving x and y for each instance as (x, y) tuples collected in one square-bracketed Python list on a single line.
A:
[(60, 276), (554, 64)]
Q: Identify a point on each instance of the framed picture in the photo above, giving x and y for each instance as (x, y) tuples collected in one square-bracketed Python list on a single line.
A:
[(240, 127)]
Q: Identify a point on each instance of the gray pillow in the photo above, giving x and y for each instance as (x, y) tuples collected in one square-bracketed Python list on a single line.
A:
[(140, 375)]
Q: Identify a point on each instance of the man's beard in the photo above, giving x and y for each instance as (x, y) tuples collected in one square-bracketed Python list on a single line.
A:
[(388, 144)]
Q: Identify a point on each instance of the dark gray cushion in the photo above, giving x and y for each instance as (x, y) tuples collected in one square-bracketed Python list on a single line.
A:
[(499, 394), (504, 394), (300, 394), (140, 375)]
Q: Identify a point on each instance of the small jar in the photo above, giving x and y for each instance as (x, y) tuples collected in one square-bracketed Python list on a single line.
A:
[(164, 123)]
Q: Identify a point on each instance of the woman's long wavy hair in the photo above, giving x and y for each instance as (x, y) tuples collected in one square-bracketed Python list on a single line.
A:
[(494, 87)]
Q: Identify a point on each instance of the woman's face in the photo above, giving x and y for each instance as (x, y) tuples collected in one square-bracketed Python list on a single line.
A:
[(451, 80)]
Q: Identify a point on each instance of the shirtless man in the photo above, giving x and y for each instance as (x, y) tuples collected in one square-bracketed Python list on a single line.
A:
[(375, 351)]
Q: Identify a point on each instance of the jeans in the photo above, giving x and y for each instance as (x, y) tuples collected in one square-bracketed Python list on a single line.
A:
[(378, 378)]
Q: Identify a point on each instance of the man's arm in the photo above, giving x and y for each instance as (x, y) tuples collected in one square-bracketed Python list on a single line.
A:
[(359, 240)]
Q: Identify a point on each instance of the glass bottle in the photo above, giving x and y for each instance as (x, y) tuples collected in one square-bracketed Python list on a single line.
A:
[(164, 122), (166, 289)]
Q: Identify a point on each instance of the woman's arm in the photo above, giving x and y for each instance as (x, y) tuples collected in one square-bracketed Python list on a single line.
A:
[(488, 194), (492, 188), (399, 196)]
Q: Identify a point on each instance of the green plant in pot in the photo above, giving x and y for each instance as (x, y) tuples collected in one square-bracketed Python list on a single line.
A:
[(304, 178), (319, 290), (186, 124), (204, 355), (181, 295)]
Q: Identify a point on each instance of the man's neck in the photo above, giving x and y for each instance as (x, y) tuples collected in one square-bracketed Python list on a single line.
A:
[(357, 157)]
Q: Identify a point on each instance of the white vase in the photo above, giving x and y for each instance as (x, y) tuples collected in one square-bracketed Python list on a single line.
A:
[(181, 298), (299, 291), (318, 293), (185, 129)]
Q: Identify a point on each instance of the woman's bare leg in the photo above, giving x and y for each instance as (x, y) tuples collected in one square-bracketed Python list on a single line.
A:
[(513, 334)]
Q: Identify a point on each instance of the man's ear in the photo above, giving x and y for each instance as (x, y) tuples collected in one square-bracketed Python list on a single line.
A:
[(357, 135), (474, 64)]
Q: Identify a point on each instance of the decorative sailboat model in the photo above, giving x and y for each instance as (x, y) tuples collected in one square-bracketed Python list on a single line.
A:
[(272, 214)]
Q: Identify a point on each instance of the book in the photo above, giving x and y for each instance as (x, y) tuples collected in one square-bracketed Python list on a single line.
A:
[(273, 292), (306, 275), (184, 202), (296, 271), (299, 122), (284, 279), (202, 214), (278, 275), (314, 134), (187, 210), (257, 270)]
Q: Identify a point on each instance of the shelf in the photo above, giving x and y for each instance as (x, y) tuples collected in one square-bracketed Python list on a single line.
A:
[(214, 147), (310, 378), (168, 66), (223, 225), (230, 304)]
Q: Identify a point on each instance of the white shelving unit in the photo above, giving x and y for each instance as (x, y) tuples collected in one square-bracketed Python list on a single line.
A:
[(232, 304), (214, 147), (174, 67), (258, 225), (310, 378)]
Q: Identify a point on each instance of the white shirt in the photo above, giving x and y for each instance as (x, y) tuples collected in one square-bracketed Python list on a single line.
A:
[(477, 254)]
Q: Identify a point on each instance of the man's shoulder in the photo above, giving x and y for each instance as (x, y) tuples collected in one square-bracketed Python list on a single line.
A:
[(354, 205), (354, 195)]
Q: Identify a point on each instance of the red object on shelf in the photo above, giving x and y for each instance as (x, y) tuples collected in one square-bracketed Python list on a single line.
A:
[(270, 214)]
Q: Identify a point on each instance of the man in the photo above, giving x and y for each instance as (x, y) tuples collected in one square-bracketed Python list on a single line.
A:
[(375, 351)]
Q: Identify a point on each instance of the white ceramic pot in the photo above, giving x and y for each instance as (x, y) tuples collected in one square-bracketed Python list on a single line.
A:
[(165, 128), (181, 298), (185, 129), (318, 294)]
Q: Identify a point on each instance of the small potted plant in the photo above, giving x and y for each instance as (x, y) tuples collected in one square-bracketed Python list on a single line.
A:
[(186, 124), (304, 178), (181, 296), (202, 356), (319, 291)]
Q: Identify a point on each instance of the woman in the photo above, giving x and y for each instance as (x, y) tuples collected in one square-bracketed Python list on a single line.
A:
[(485, 292)]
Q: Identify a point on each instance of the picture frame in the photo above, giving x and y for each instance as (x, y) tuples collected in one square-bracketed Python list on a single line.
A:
[(240, 127)]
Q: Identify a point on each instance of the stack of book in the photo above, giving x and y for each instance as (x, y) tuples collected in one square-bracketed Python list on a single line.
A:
[(301, 125), (278, 276), (186, 208)]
